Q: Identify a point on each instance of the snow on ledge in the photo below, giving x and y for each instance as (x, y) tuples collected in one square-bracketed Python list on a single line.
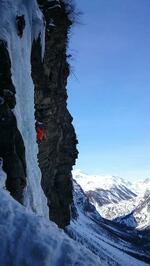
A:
[(28, 239)]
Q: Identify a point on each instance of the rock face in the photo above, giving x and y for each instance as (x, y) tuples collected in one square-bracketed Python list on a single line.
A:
[(57, 152), (5, 69)]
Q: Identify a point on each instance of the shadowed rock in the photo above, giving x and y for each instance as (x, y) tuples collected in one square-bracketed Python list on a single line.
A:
[(57, 152)]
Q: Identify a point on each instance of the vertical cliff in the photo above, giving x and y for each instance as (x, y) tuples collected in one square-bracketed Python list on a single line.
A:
[(57, 152)]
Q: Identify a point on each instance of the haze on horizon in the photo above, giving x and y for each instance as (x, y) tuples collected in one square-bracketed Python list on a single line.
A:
[(109, 89)]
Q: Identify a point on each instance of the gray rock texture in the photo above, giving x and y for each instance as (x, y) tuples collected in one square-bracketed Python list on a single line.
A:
[(57, 152)]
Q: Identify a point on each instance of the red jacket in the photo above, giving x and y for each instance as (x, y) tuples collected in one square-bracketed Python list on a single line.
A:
[(40, 133)]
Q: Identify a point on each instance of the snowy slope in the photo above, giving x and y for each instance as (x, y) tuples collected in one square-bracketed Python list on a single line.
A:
[(140, 215), (142, 186), (20, 55), (134, 212), (28, 239), (111, 211), (113, 244), (104, 189)]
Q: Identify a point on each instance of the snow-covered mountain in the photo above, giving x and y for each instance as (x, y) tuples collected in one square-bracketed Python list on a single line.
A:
[(139, 217), (134, 212), (114, 197), (104, 189), (142, 186), (112, 243)]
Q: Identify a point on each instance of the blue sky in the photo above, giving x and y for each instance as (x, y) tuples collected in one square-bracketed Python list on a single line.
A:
[(109, 89)]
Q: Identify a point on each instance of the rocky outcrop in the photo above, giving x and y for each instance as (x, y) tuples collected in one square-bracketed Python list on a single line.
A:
[(5, 69), (57, 152)]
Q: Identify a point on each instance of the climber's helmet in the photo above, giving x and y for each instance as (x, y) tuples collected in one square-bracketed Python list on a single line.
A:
[(39, 124)]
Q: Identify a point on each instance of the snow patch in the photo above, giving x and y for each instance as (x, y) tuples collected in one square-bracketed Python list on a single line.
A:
[(28, 239)]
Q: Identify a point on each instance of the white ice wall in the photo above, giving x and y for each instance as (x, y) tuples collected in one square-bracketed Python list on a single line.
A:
[(20, 54)]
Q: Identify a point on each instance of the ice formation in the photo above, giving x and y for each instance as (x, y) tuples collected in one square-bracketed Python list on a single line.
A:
[(20, 55)]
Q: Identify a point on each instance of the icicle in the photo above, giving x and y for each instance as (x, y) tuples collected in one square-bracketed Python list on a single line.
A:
[(38, 29)]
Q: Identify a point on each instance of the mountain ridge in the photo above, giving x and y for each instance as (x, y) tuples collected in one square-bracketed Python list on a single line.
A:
[(117, 199)]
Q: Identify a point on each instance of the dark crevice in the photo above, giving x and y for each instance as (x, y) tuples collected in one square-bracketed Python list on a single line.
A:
[(12, 148)]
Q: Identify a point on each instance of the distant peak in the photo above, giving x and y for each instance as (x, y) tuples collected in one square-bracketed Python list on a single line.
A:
[(93, 182)]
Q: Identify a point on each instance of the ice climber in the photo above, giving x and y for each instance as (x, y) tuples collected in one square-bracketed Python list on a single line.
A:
[(20, 20), (12, 151), (39, 132)]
